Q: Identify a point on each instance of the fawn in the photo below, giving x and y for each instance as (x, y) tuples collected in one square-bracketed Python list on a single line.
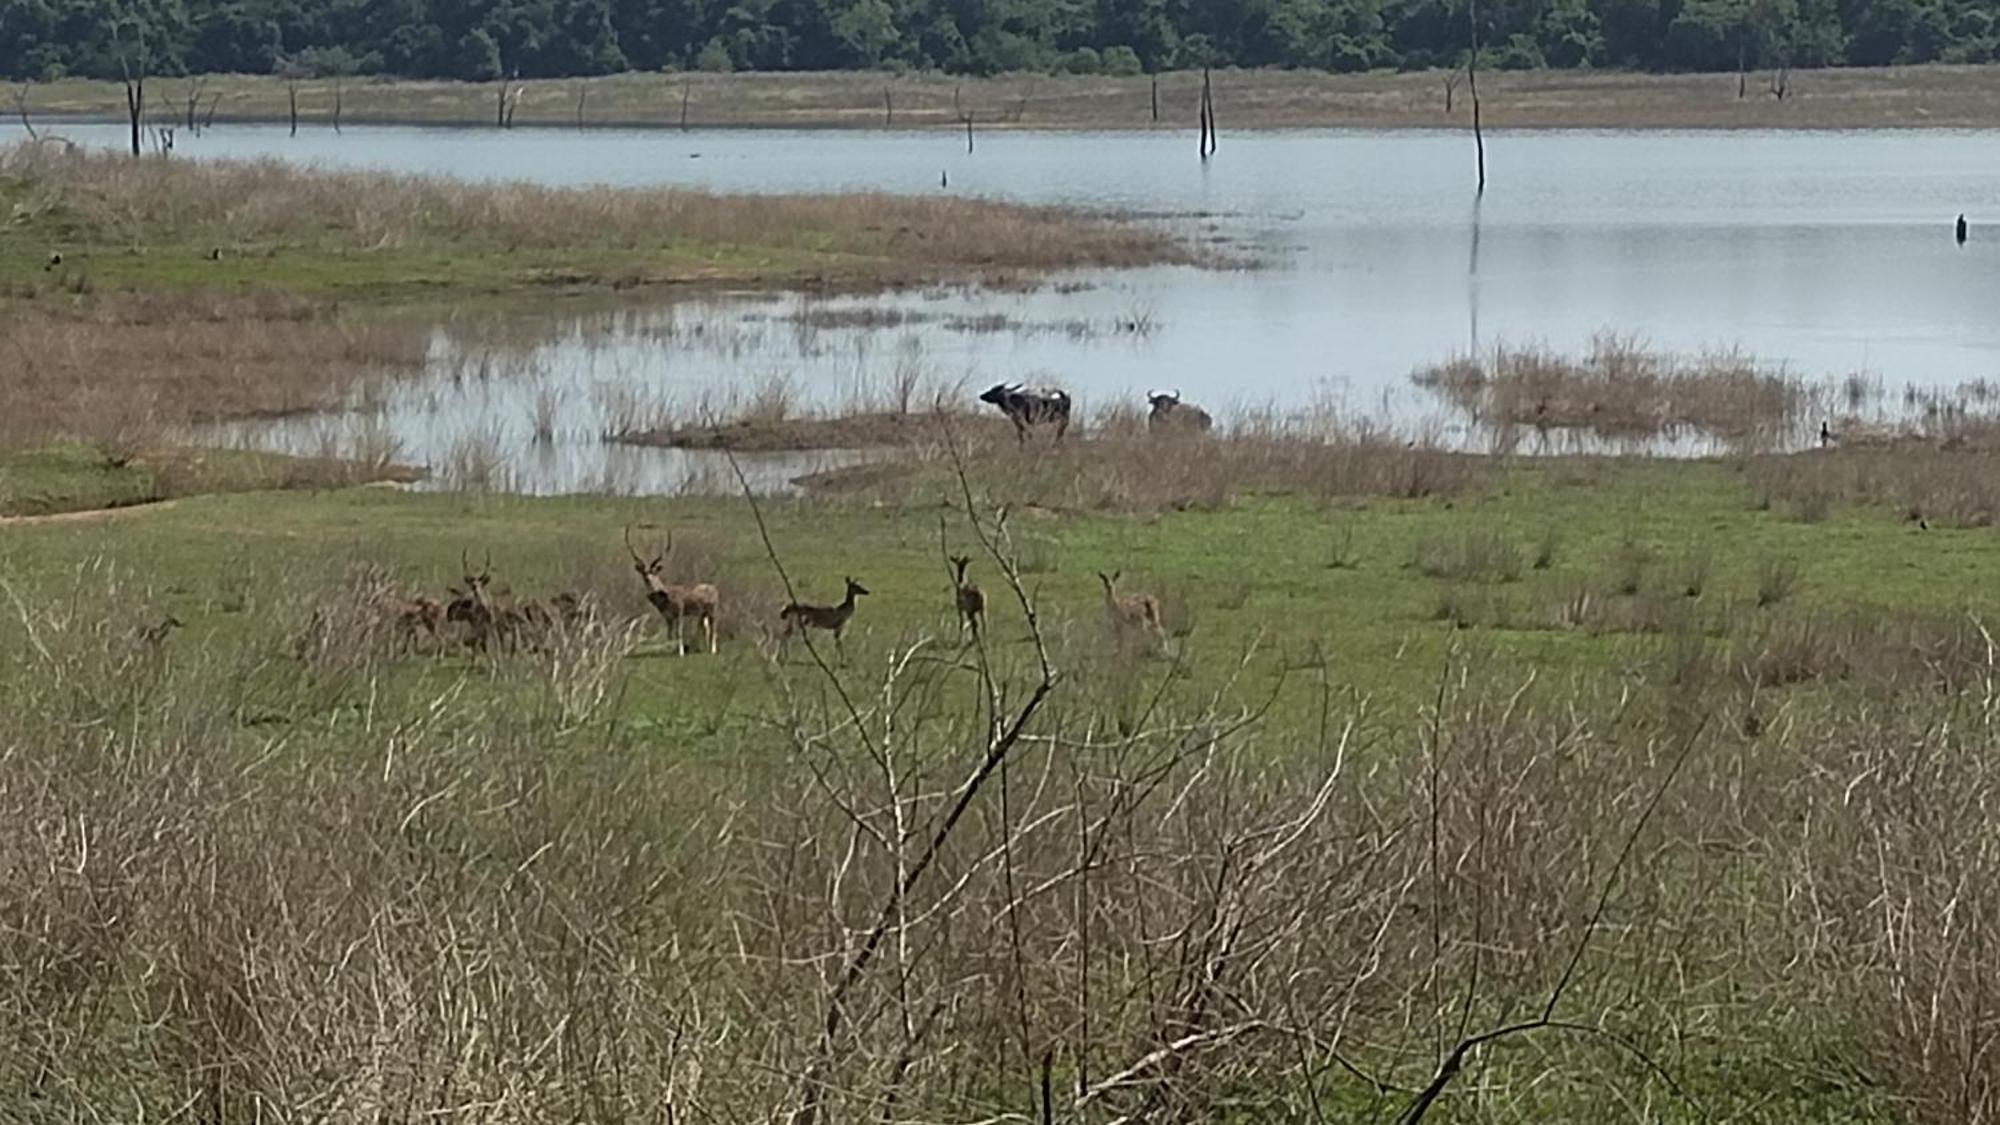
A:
[(1130, 611), (971, 600)]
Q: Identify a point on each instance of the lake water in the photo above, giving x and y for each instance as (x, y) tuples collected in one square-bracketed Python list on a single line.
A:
[(1827, 253)]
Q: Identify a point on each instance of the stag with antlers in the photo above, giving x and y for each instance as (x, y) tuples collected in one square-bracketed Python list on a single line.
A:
[(676, 603)]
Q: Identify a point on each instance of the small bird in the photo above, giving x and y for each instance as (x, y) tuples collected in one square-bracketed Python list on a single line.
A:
[(944, 179), (1962, 230), (1826, 436), (55, 259), (215, 254)]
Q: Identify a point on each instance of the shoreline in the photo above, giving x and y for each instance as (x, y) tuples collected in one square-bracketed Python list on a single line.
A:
[(1894, 98)]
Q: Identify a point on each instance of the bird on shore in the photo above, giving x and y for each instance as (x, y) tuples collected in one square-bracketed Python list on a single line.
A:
[(1962, 230), (944, 179), (1826, 435), (55, 259)]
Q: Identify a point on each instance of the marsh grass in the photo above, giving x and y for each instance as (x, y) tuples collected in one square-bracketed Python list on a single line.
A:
[(127, 368), (1950, 485), (1621, 392), (256, 209)]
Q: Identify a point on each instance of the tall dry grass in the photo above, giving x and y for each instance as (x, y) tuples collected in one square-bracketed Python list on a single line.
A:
[(504, 904), (1120, 467), (1622, 392), (126, 370), (112, 200)]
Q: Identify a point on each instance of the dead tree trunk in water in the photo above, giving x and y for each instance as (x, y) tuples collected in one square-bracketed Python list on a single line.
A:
[(21, 107), (1207, 116), (194, 101), (292, 93), (1156, 99), (135, 102), (500, 105), (1451, 80), (967, 118), (1472, 88), (1742, 69)]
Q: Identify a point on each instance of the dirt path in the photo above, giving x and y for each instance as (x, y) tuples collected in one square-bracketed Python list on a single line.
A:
[(87, 515)]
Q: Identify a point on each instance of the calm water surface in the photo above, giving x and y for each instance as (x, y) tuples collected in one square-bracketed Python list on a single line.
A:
[(1828, 253)]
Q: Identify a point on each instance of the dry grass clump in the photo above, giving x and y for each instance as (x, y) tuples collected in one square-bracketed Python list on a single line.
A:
[(1483, 555), (124, 370), (1621, 392), (1109, 472), (1956, 486), (461, 900), (107, 198)]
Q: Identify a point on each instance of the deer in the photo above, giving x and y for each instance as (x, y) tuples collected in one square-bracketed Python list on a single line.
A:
[(1130, 611), (676, 603), (415, 614), (488, 616), (799, 616), (970, 598)]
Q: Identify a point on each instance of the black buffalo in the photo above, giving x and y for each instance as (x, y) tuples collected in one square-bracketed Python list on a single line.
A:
[(1030, 408)]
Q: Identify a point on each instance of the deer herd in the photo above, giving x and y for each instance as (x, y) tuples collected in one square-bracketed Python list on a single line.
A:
[(487, 618)]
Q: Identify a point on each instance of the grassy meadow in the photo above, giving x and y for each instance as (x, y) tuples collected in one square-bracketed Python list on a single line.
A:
[(1450, 786), (1933, 96)]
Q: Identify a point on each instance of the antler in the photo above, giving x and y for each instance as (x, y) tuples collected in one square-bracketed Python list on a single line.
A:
[(629, 549)]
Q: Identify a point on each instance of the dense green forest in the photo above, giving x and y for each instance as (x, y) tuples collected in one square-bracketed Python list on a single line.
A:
[(484, 39)]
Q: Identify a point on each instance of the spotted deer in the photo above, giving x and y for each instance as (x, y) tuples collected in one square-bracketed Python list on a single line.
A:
[(970, 598), (800, 616), (1130, 611), (676, 603)]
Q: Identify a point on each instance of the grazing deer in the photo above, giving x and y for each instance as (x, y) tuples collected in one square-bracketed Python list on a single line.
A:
[(799, 617), (154, 637), (971, 600), (414, 614), (1130, 611), (674, 603)]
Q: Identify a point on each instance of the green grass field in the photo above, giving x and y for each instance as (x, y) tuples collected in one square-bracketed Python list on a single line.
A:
[(1288, 614), (1293, 582)]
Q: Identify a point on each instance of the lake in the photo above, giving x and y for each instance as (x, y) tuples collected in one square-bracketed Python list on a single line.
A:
[(1827, 253)]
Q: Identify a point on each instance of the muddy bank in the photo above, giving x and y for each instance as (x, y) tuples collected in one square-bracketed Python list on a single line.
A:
[(849, 431)]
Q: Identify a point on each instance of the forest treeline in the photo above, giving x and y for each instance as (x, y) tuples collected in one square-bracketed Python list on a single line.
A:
[(487, 39)]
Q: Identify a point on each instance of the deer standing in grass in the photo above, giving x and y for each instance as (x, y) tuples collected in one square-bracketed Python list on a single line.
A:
[(1130, 611), (970, 598), (676, 603), (799, 616)]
